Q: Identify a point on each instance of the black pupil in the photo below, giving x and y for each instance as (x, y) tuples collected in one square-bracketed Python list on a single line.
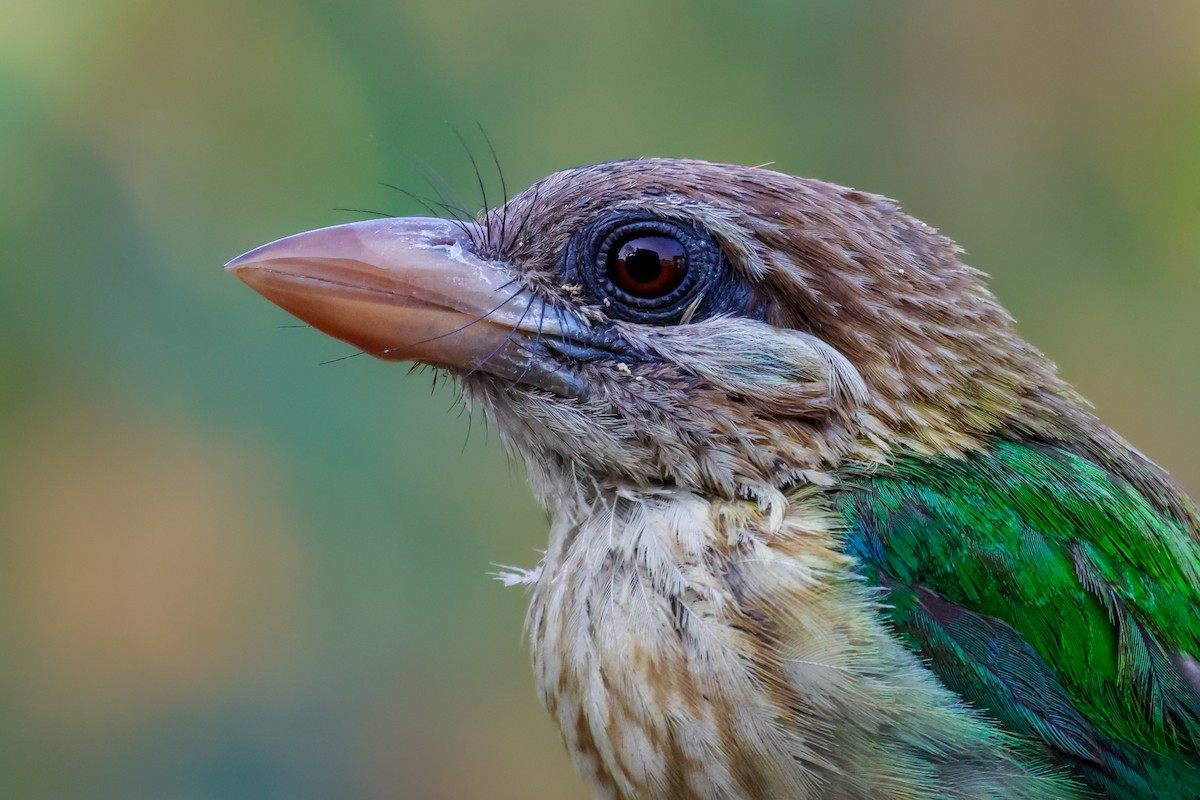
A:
[(643, 265), (649, 266)]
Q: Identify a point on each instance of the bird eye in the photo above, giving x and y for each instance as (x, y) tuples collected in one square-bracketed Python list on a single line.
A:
[(643, 268), (648, 266)]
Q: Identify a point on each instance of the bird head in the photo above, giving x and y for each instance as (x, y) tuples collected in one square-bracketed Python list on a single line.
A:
[(682, 324)]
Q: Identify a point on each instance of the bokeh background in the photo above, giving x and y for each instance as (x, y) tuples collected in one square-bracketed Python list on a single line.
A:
[(229, 571)]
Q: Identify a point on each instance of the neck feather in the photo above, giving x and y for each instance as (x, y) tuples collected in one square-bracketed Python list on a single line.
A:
[(695, 648)]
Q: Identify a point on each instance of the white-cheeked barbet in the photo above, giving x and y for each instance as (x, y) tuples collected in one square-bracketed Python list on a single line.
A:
[(822, 524)]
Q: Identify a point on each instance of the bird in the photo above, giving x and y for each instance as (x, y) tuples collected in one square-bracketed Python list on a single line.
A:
[(821, 523)]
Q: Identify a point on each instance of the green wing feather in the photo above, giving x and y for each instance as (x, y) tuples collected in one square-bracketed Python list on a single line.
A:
[(1050, 593)]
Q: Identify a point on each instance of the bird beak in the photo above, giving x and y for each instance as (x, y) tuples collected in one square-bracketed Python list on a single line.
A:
[(412, 289)]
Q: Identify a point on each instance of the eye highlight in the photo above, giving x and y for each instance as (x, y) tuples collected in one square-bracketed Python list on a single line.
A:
[(648, 266)]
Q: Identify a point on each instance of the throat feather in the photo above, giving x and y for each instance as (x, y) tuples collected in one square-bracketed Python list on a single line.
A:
[(690, 649)]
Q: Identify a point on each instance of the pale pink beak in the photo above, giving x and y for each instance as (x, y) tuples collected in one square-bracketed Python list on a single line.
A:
[(411, 289)]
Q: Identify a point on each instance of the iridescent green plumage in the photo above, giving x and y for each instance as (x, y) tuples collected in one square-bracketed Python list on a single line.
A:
[(1053, 595)]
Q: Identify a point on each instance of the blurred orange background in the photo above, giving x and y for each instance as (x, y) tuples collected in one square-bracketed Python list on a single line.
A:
[(227, 571)]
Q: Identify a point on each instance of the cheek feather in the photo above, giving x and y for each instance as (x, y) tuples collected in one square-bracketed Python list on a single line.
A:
[(783, 372)]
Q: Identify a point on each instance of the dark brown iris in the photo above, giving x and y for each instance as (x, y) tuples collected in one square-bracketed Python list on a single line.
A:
[(648, 266)]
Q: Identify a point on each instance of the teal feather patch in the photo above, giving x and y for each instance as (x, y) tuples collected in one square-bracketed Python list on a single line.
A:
[(1049, 593)]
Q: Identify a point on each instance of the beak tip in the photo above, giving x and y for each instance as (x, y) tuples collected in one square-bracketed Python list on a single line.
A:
[(243, 262)]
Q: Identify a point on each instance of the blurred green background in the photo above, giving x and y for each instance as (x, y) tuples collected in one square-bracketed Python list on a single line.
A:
[(227, 571)]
